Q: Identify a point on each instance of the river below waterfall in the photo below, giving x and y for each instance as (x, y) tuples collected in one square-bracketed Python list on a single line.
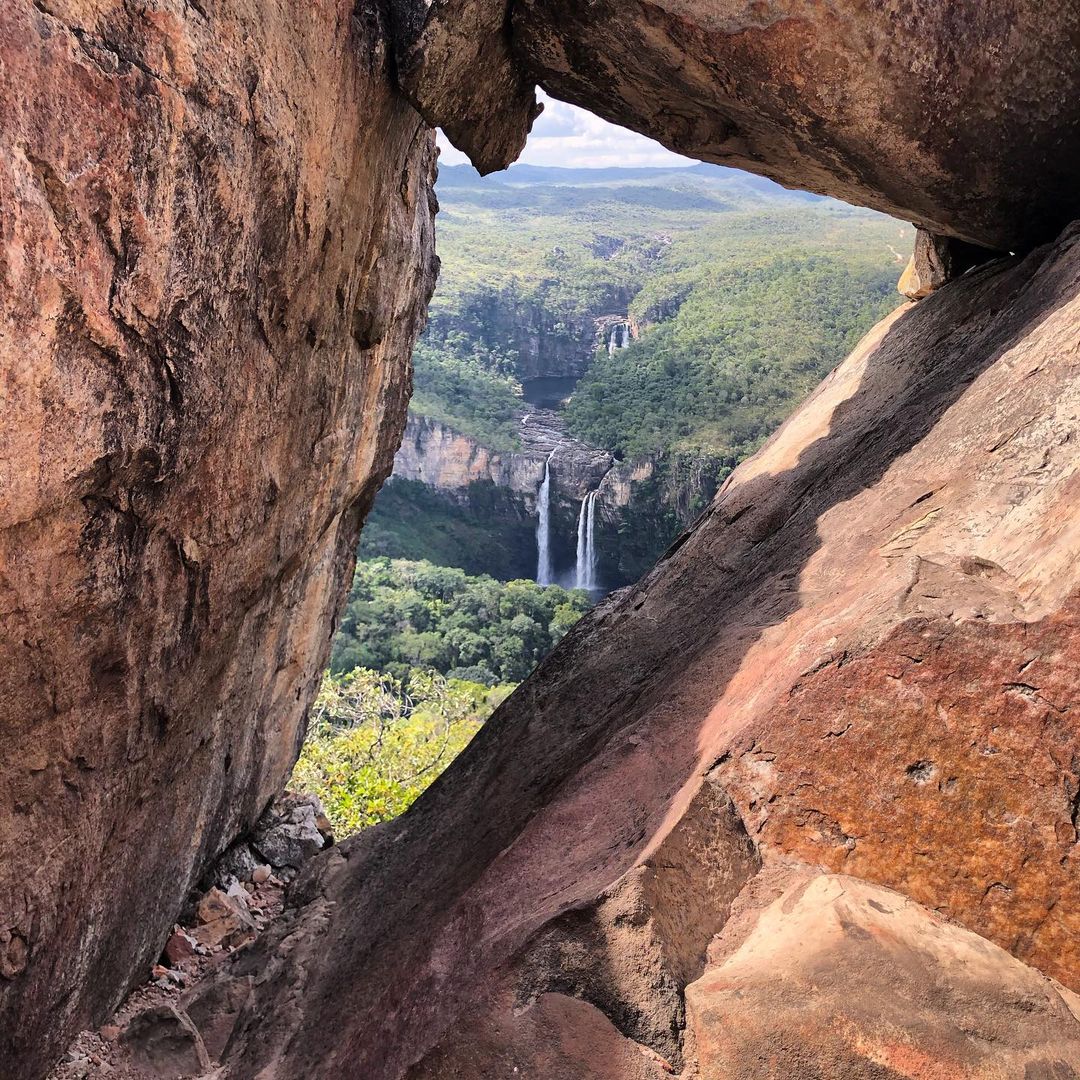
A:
[(549, 391)]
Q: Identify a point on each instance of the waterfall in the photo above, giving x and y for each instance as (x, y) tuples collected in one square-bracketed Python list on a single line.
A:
[(585, 569), (544, 574), (621, 337), (582, 543)]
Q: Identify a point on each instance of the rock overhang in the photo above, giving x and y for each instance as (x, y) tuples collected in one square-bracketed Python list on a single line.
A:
[(927, 118)]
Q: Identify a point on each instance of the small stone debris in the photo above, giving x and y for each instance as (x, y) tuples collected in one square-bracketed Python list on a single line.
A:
[(165, 1043), (180, 946), (225, 920), (293, 828), (152, 1036)]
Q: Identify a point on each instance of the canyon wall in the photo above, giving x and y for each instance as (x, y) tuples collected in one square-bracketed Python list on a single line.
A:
[(217, 247), (605, 878), (542, 337), (641, 504)]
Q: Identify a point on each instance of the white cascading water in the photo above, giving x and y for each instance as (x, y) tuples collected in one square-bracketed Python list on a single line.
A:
[(585, 569), (544, 574), (621, 338)]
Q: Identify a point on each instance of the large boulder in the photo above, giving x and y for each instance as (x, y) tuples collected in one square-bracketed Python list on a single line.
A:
[(962, 118), (216, 228), (865, 655), (837, 978)]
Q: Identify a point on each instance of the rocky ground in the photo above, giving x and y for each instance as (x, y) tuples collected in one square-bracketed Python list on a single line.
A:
[(151, 1036)]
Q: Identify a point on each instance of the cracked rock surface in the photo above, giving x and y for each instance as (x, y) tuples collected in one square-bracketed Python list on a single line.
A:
[(217, 247)]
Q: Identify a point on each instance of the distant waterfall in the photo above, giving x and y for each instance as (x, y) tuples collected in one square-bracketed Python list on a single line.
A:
[(544, 573), (585, 570), (621, 337)]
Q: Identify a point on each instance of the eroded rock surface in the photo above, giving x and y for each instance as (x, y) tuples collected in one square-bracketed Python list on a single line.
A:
[(217, 246), (866, 654), (961, 118), (936, 261), (838, 978), (456, 66)]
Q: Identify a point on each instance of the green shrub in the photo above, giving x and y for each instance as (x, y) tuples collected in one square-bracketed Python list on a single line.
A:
[(374, 744)]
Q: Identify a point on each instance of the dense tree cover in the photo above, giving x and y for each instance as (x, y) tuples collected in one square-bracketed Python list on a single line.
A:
[(746, 294), (486, 532), (746, 344), (374, 744), (469, 386), (402, 616)]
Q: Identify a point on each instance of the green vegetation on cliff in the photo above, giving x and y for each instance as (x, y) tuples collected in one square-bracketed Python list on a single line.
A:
[(486, 532), (745, 296), (748, 342), (468, 386), (402, 616)]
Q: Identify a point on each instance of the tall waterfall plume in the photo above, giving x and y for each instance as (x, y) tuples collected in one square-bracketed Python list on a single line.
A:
[(544, 573), (585, 569), (621, 337)]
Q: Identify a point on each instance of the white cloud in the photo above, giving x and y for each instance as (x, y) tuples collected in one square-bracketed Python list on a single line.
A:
[(571, 137)]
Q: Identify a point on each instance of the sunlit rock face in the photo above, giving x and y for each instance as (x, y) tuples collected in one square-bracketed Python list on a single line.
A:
[(217, 247), (951, 1004), (959, 117), (865, 656)]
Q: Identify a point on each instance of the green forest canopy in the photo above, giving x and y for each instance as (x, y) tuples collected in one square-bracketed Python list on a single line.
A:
[(405, 615), (746, 296)]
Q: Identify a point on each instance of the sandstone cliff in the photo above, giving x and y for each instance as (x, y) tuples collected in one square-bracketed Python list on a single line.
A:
[(217, 247), (641, 504), (216, 223), (865, 656), (545, 336)]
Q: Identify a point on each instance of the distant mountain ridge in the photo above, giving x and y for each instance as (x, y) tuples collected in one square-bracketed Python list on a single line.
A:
[(703, 174)]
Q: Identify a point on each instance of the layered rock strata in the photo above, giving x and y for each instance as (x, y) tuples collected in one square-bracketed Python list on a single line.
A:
[(217, 247), (864, 656)]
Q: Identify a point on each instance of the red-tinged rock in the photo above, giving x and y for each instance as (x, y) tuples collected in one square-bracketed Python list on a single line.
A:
[(838, 978), (225, 920), (866, 654), (216, 226), (179, 947)]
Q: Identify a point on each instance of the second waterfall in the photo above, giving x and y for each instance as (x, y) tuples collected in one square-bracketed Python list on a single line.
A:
[(585, 568)]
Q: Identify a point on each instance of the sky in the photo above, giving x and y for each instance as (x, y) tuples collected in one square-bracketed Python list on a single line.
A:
[(571, 137)]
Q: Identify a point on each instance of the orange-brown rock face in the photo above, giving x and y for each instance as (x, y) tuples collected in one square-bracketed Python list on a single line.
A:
[(837, 978), (865, 655), (216, 248), (959, 117)]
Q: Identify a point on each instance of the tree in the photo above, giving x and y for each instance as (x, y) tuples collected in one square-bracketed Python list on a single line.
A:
[(374, 745)]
